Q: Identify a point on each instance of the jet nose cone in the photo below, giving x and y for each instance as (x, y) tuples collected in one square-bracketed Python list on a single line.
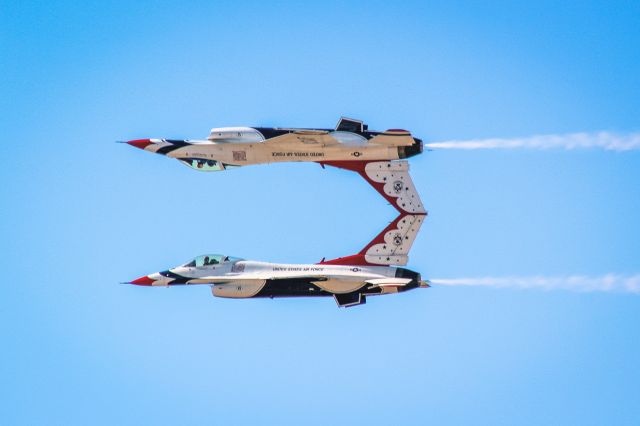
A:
[(143, 281), (140, 143)]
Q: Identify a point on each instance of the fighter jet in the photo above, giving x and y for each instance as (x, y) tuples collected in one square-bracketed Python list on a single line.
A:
[(351, 146), (349, 280)]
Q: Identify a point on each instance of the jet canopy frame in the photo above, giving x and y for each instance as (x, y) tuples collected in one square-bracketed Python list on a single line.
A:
[(211, 260)]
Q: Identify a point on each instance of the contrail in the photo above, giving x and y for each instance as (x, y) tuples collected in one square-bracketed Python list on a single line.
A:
[(603, 140), (609, 283)]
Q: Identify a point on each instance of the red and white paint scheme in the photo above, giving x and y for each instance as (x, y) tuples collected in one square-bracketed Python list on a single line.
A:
[(348, 279), (377, 156)]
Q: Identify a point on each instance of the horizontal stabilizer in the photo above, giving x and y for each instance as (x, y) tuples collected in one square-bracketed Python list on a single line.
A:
[(389, 282), (393, 137)]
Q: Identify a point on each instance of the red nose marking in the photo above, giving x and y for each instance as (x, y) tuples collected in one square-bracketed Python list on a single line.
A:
[(140, 143), (143, 281)]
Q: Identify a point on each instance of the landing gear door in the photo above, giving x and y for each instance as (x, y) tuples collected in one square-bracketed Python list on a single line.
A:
[(346, 300)]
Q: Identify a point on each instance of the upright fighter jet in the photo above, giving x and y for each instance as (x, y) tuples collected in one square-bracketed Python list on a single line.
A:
[(350, 146), (348, 279)]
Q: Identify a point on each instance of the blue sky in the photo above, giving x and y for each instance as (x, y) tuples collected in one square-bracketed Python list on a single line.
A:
[(80, 213)]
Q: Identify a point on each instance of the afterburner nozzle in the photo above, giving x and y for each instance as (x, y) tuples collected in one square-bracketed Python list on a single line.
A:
[(425, 284)]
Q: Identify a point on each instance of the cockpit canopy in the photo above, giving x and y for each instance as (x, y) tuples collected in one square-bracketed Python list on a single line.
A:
[(203, 165), (211, 259)]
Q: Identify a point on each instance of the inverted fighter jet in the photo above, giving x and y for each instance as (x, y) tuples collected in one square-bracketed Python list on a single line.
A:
[(351, 146), (349, 280)]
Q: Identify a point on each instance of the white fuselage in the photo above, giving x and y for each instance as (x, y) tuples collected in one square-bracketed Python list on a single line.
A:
[(243, 278), (253, 270)]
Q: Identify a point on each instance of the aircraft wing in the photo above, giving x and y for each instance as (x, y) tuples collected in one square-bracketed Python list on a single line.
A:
[(394, 137), (390, 247), (391, 179), (226, 279), (299, 137)]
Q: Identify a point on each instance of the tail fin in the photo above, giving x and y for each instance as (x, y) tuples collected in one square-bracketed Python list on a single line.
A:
[(390, 247), (391, 179)]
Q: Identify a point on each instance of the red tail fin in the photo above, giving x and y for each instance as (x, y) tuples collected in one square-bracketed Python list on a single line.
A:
[(391, 179), (389, 247)]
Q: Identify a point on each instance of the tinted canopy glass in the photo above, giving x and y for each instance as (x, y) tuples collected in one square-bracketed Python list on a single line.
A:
[(211, 259), (203, 165)]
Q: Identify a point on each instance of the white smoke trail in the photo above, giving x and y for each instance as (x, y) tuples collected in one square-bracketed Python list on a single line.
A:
[(604, 140), (609, 283)]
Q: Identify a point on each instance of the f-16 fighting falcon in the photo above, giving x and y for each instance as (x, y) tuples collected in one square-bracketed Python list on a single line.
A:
[(349, 146), (348, 279)]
